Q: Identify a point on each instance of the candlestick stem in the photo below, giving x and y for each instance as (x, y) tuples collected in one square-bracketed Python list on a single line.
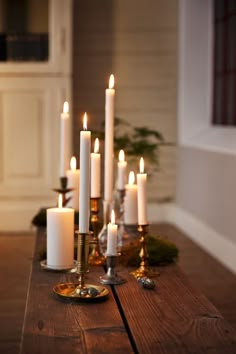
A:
[(143, 269), (82, 257), (121, 227), (111, 277), (95, 256), (102, 236)]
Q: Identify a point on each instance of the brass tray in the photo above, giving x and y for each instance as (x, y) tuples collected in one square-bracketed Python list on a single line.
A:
[(67, 291)]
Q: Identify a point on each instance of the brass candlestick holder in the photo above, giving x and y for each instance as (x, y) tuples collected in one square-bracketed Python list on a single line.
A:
[(102, 236), (63, 190), (143, 270), (81, 291), (95, 256), (111, 277)]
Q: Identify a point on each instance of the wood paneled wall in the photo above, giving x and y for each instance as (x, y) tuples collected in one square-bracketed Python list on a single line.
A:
[(137, 41)]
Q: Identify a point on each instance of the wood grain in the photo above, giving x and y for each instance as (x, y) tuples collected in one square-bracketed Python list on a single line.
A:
[(54, 325), (174, 317)]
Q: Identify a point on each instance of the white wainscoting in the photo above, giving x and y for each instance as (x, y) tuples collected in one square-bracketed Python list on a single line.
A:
[(29, 147)]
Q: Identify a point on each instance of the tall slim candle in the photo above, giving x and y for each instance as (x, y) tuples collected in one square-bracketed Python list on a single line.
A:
[(121, 167), (85, 141), (65, 138), (130, 201), (73, 182), (96, 171), (109, 137), (142, 194)]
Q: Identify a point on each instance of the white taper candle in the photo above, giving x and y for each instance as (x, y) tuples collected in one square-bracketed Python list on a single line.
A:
[(121, 170), (142, 194), (96, 171), (84, 202), (112, 236), (130, 201), (65, 140), (109, 140), (73, 182)]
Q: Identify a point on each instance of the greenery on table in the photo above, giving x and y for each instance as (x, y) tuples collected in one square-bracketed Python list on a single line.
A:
[(161, 251)]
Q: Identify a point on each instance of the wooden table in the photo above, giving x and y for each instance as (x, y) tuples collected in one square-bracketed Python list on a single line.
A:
[(173, 318)]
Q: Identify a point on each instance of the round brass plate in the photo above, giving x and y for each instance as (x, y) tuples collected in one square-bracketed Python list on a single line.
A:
[(67, 290), (44, 266)]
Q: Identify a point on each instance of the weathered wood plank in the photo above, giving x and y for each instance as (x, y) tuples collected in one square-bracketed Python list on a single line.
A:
[(53, 325), (174, 317)]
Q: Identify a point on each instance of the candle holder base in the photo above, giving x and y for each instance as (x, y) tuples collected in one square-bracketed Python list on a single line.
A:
[(144, 271), (44, 266), (111, 277), (88, 293), (80, 291)]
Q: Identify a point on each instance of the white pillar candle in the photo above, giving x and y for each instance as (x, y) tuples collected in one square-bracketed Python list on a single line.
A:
[(96, 171), (84, 198), (73, 182), (130, 201), (112, 236), (142, 194), (65, 138), (121, 170), (109, 140), (60, 237)]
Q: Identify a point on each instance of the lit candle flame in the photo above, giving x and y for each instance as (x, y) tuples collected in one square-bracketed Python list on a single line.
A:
[(121, 156), (131, 177), (111, 81), (113, 217), (85, 121), (141, 165), (73, 163), (60, 201), (96, 145), (65, 107)]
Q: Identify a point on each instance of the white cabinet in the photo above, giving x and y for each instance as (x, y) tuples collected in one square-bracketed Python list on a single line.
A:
[(31, 99)]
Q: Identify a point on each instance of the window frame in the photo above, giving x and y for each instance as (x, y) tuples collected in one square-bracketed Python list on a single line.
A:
[(195, 84)]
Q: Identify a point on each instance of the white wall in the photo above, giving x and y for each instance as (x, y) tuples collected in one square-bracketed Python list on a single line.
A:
[(137, 41), (206, 172)]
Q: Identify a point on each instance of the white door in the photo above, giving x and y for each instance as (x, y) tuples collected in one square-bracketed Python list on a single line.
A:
[(31, 100)]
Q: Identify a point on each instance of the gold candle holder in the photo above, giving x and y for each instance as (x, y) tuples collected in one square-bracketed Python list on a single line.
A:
[(95, 256), (81, 291), (143, 269)]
